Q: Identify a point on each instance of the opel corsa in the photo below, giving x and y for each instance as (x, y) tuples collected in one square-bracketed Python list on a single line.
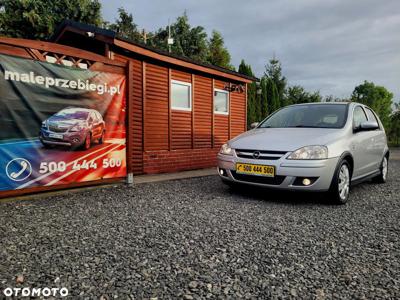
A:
[(322, 147)]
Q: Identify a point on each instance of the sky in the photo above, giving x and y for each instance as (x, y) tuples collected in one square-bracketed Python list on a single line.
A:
[(324, 45)]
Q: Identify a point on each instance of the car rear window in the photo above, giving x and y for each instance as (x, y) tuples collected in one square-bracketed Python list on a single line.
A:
[(308, 116)]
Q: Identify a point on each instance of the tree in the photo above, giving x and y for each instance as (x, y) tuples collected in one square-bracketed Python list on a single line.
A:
[(218, 55), (272, 96), (273, 71), (124, 26), (37, 19), (297, 94), (189, 41), (331, 98), (264, 98), (253, 101), (376, 97), (394, 131)]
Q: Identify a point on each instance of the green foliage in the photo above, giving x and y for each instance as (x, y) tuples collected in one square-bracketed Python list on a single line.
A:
[(297, 94), (189, 41), (273, 71), (331, 98), (253, 101), (376, 97), (264, 105), (272, 96), (218, 55), (125, 27), (37, 19), (245, 69), (394, 131)]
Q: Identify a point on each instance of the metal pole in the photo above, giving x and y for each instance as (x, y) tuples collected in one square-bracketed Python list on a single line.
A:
[(169, 36)]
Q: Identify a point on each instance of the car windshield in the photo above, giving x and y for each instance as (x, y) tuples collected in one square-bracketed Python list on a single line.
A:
[(72, 114), (308, 116)]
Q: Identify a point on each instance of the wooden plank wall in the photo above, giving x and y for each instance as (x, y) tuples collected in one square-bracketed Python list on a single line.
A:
[(181, 121), (155, 127), (136, 124), (156, 114), (221, 122), (203, 97), (238, 111)]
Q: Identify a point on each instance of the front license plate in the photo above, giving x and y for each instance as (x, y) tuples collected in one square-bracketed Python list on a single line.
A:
[(56, 136), (260, 170)]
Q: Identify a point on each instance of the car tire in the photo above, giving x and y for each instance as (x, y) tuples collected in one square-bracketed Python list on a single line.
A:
[(339, 190), (101, 139), (87, 142), (384, 168)]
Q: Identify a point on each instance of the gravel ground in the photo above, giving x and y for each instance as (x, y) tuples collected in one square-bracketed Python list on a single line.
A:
[(196, 238)]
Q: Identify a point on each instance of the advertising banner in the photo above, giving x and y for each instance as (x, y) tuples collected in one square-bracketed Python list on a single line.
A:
[(59, 125)]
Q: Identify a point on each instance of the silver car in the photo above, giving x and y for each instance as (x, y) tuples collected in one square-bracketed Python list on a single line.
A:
[(322, 147)]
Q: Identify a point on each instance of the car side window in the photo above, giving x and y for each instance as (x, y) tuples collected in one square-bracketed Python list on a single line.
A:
[(371, 116), (359, 116)]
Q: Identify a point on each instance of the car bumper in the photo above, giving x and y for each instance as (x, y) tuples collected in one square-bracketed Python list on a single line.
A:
[(288, 173), (65, 139)]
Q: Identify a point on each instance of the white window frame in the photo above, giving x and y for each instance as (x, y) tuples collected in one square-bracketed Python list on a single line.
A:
[(188, 84), (227, 105)]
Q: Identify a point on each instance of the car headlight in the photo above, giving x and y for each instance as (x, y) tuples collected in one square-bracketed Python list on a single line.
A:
[(76, 128), (225, 149), (310, 152), (44, 124)]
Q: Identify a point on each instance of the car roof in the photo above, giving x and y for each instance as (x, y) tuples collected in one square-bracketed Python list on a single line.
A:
[(79, 109), (322, 103)]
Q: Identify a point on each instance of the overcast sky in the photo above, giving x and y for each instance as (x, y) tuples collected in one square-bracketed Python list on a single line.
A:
[(325, 45)]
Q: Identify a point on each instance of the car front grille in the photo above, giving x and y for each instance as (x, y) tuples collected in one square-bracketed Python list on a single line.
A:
[(260, 154), (57, 129), (277, 180)]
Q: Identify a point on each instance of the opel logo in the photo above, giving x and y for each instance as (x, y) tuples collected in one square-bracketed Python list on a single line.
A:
[(256, 154)]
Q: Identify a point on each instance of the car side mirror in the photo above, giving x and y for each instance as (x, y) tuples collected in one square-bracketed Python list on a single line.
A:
[(254, 125), (368, 126)]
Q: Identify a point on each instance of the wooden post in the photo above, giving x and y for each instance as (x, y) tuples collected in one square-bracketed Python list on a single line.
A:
[(193, 101), (212, 112), (229, 111), (245, 108), (129, 121), (169, 111), (144, 104)]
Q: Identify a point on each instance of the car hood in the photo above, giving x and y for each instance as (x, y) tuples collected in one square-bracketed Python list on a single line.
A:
[(283, 139), (65, 122)]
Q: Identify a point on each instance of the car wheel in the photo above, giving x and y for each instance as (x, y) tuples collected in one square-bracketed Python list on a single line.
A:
[(340, 186), (88, 142), (101, 139), (382, 177)]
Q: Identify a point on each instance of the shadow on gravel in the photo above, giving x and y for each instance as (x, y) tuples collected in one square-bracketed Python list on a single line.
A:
[(277, 196), (286, 197)]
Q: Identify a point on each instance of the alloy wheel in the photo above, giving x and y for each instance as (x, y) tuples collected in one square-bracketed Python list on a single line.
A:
[(344, 182), (384, 168)]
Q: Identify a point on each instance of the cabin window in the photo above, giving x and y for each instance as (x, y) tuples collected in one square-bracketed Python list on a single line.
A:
[(181, 95), (221, 102)]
